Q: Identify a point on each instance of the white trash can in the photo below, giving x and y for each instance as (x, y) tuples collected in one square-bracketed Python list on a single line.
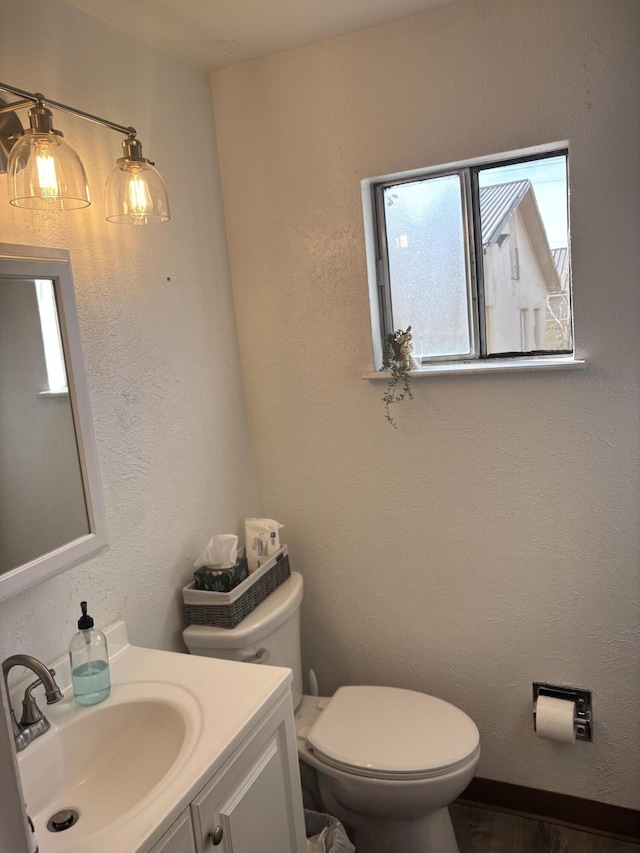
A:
[(325, 834)]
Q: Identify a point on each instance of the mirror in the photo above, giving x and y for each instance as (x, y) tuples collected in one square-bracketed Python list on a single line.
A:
[(51, 510)]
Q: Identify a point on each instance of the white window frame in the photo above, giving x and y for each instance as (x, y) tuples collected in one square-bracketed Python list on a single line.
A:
[(379, 288)]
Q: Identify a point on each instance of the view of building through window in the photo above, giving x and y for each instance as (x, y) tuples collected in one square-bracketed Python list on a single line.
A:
[(520, 302), (524, 223)]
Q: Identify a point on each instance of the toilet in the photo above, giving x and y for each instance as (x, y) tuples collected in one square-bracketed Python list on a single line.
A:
[(388, 762)]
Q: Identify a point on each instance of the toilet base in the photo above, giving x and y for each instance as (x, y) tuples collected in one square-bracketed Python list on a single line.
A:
[(432, 834)]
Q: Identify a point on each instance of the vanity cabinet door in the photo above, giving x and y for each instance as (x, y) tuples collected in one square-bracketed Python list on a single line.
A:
[(177, 839), (254, 805)]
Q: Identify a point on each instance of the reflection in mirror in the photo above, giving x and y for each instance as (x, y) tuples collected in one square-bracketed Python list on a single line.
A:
[(50, 502), (38, 453)]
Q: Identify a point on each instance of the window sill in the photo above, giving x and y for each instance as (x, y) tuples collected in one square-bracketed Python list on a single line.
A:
[(50, 394), (487, 366)]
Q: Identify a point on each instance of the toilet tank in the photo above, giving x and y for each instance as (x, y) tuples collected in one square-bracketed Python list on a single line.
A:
[(269, 635)]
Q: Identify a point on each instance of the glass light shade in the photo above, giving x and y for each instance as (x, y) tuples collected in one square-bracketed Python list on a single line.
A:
[(135, 194), (45, 173)]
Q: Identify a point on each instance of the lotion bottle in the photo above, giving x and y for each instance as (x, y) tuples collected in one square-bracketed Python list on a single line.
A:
[(89, 660)]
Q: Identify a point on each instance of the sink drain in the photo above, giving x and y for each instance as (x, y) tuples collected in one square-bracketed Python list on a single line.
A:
[(64, 819)]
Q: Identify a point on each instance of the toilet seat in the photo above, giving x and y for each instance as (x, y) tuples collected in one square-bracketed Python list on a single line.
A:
[(389, 733)]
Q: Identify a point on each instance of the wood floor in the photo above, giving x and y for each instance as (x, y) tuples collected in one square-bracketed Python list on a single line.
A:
[(486, 831)]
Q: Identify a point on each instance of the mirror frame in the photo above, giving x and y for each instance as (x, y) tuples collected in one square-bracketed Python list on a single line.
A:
[(29, 262)]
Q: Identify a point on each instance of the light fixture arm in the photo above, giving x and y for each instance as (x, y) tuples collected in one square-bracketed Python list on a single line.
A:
[(31, 98), (16, 105)]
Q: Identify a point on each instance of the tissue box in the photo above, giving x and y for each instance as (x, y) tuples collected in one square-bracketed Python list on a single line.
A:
[(227, 609), (221, 580)]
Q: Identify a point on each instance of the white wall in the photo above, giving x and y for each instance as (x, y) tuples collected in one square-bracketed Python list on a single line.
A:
[(157, 327), (506, 297), (493, 539)]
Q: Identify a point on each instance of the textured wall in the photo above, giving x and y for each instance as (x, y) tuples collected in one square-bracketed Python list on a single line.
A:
[(493, 539), (157, 327)]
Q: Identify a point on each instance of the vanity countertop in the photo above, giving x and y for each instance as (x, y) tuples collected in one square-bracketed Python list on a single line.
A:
[(220, 702)]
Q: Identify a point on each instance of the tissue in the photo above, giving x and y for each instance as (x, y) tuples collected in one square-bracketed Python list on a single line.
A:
[(555, 719), (218, 568), (220, 553)]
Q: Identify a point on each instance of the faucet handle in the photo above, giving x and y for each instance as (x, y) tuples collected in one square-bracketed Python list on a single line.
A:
[(54, 695), (30, 712)]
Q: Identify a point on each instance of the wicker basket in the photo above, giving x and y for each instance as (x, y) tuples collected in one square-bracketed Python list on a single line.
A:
[(227, 609)]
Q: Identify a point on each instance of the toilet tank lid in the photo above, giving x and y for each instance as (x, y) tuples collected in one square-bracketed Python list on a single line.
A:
[(274, 611)]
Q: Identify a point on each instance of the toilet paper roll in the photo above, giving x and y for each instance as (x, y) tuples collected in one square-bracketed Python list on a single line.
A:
[(554, 719)]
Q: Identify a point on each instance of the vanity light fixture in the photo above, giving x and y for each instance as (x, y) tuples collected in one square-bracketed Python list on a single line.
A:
[(45, 173)]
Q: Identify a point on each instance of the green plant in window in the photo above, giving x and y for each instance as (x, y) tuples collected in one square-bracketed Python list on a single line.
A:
[(398, 361)]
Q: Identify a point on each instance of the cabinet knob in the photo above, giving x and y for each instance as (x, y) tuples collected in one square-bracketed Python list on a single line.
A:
[(216, 835)]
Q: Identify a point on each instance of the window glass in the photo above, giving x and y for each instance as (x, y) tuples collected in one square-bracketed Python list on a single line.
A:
[(525, 240), (427, 264), (51, 338)]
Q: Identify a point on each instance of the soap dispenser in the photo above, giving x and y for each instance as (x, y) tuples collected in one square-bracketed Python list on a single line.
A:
[(89, 660)]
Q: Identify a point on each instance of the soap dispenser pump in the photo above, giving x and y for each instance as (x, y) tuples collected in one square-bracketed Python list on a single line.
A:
[(89, 659)]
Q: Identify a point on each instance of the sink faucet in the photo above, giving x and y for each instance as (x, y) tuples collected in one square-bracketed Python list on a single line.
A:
[(33, 722)]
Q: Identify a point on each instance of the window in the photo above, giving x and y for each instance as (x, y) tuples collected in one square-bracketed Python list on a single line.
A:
[(524, 322), (475, 258), (537, 329), (513, 250), (51, 338)]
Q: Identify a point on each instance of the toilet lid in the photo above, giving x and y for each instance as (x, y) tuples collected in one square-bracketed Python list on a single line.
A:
[(386, 731)]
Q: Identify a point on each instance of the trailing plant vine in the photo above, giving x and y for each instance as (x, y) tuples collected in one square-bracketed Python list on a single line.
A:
[(397, 361)]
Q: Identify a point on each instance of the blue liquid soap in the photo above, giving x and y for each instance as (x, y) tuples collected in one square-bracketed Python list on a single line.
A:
[(91, 682), (89, 659)]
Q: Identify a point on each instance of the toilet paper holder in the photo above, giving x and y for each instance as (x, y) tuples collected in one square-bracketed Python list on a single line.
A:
[(583, 719)]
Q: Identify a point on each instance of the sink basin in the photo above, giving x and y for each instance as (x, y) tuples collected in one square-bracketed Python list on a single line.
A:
[(106, 761)]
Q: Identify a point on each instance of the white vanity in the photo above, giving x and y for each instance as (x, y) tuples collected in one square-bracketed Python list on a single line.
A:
[(247, 805), (248, 800), (188, 754)]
